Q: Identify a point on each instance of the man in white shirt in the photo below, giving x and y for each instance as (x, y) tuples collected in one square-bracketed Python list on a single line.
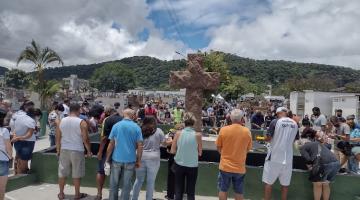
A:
[(278, 162), (71, 136)]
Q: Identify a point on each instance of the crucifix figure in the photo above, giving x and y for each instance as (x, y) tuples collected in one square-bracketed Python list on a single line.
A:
[(195, 80)]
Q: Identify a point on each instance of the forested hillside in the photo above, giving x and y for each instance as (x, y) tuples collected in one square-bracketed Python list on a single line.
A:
[(154, 73)]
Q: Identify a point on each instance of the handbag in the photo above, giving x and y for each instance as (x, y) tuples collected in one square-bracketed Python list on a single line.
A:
[(317, 171)]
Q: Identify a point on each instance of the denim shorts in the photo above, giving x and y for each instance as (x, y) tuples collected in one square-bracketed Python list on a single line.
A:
[(24, 149), (225, 179), (330, 171), (4, 168)]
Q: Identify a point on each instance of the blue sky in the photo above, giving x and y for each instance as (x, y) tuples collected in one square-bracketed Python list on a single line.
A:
[(93, 31), (193, 32)]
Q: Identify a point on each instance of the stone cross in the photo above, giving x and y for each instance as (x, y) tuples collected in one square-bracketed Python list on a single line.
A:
[(195, 80)]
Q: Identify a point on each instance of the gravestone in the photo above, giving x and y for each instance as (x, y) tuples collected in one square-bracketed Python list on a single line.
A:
[(195, 80)]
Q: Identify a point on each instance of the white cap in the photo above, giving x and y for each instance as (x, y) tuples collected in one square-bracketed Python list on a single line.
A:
[(281, 109)]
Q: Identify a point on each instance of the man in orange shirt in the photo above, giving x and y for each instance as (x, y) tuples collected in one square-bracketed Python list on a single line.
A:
[(233, 144)]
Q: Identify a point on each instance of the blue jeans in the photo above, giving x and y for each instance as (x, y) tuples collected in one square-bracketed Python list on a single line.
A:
[(353, 164), (148, 168), (118, 171)]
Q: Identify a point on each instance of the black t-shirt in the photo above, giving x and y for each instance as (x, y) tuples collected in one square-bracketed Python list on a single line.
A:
[(108, 124)]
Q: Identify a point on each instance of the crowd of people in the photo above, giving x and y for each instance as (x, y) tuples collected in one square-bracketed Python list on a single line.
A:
[(130, 143)]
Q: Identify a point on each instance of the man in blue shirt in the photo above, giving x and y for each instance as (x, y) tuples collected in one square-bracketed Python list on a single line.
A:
[(257, 120), (125, 150)]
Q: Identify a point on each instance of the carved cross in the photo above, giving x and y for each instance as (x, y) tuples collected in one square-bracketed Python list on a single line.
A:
[(195, 80)]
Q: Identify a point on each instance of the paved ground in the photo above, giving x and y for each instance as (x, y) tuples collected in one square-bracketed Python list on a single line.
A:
[(50, 191)]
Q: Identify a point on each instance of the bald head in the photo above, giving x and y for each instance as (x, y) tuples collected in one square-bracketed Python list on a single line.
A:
[(129, 113)]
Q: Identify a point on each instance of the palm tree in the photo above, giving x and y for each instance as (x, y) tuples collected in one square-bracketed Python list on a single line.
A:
[(40, 58)]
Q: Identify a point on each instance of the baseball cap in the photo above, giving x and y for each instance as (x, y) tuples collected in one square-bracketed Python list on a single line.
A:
[(281, 109), (350, 117)]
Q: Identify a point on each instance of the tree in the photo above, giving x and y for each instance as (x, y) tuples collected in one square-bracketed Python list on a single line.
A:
[(16, 78), (238, 86), (113, 76), (50, 88), (214, 62), (353, 87), (40, 58), (231, 86)]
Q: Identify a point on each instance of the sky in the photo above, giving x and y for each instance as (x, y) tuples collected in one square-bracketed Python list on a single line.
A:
[(93, 31)]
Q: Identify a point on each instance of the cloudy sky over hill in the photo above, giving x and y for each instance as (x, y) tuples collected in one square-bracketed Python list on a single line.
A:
[(88, 31)]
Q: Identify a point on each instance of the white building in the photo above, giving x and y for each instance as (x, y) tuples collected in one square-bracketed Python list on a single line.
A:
[(349, 104), (76, 84), (297, 103), (302, 103)]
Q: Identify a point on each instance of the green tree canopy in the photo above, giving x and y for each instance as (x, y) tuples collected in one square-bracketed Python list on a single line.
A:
[(231, 86), (16, 78), (113, 76)]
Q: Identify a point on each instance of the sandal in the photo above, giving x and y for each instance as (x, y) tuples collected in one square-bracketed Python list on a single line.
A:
[(82, 195), (98, 197), (61, 196)]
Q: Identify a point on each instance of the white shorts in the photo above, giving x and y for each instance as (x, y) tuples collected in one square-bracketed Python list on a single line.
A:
[(273, 171)]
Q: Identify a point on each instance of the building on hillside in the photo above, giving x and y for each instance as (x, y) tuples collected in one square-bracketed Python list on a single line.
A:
[(302, 102), (297, 103), (76, 84), (349, 104)]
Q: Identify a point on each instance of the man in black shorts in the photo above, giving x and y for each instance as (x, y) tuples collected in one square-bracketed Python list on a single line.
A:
[(108, 123)]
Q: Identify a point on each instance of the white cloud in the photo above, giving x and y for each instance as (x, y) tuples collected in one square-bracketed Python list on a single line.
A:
[(81, 31), (310, 31)]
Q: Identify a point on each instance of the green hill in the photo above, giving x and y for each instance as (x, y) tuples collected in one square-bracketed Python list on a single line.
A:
[(154, 73), (150, 72)]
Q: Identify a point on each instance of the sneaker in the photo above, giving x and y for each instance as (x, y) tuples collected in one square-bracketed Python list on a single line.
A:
[(342, 171)]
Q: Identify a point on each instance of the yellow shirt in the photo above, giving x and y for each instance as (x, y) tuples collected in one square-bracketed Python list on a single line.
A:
[(234, 141)]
